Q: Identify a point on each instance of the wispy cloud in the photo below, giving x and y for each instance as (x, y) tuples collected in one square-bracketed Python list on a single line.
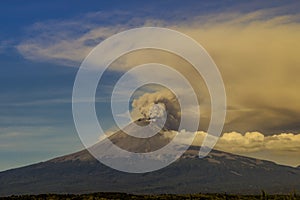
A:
[(256, 52), (68, 42), (64, 49)]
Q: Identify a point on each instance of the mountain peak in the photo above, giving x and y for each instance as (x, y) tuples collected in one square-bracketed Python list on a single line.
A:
[(219, 172)]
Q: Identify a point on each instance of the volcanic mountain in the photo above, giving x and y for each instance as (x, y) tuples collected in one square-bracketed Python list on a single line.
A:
[(219, 172)]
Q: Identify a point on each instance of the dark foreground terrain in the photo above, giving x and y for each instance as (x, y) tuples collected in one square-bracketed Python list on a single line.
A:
[(122, 196)]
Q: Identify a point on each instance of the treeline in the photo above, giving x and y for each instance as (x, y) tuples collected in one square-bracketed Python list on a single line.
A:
[(124, 196)]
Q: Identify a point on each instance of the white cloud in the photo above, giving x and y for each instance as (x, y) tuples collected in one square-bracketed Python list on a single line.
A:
[(282, 148), (255, 141), (283, 142), (64, 48), (236, 142)]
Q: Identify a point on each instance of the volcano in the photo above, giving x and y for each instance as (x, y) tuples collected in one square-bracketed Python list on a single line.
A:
[(219, 172)]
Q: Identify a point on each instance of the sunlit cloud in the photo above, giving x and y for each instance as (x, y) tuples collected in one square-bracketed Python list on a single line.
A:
[(282, 148)]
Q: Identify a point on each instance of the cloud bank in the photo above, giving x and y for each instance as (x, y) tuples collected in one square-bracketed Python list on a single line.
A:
[(282, 148)]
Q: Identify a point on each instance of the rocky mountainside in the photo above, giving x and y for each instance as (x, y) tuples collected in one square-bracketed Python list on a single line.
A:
[(219, 172)]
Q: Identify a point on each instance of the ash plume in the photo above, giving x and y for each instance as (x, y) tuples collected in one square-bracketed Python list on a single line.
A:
[(156, 105)]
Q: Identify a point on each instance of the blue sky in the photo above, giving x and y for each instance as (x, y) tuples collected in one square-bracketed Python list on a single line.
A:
[(36, 86)]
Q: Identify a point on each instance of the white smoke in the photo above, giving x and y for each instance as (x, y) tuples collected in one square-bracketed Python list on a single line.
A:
[(157, 105), (157, 110)]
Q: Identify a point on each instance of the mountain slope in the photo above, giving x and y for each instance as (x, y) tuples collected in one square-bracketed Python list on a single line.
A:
[(219, 172)]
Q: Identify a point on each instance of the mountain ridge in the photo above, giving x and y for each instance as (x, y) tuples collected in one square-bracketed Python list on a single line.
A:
[(219, 172)]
